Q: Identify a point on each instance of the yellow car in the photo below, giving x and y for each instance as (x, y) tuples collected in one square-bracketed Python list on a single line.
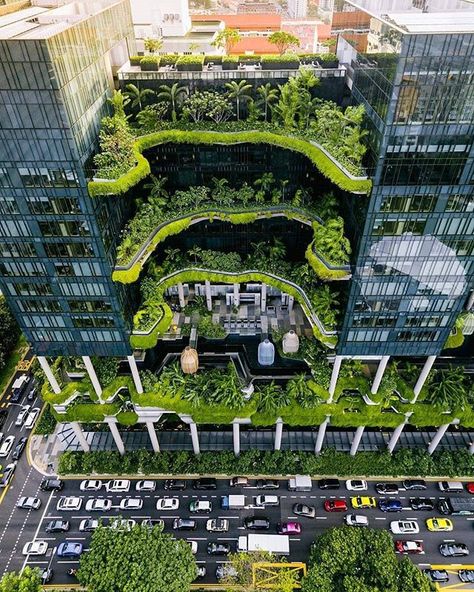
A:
[(439, 524), (363, 503)]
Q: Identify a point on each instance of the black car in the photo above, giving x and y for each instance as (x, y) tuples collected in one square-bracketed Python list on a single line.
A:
[(257, 523), (218, 548), (386, 488), (411, 484), (421, 503), (205, 483), (267, 484), (52, 485), (58, 526), (18, 450), (329, 484), (175, 484), (184, 524), (466, 575), (453, 550), (437, 575)]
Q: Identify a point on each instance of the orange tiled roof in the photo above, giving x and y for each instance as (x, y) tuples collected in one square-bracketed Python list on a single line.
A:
[(244, 22), (259, 45)]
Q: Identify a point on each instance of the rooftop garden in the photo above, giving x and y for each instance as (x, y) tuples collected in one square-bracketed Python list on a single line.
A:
[(288, 116)]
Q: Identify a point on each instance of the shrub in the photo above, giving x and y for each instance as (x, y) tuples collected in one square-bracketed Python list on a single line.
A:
[(46, 423), (216, 59), (190, 63), (150, 63), (168, 59), (135, 60), (287, 61), (230, 62)]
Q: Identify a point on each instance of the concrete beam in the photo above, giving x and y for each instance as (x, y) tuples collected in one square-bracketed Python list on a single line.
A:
[(112, 423), (278, 434), (334, 376), (438, 437), (181, 299), (236, 294), (430, 360), (76, 427), (194, 437), (207, 285), (321, 435), (263, 298), (236, 437), (153, 437), (92, 375)]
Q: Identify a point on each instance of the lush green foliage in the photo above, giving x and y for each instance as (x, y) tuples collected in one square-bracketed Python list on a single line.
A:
[(9, 332), (330, 242), (140, 560), (46, 423), (106, 369), (283, 40), (451, 388), (28, 581), (226, 39), (404, 462), (346, 559), (190, 62)]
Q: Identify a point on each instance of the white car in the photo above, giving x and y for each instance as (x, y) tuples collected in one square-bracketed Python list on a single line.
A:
[(29, 503), (90, 485), (167, 503), (22, 415), (35, 548), (145, 486), (131, 503), (69, 504), (118, 486), (356, 520), (6, 446), (356, 485), (404, 527), (30, 420), (98, 505), (194, 546), (122, 524), (88, 525)]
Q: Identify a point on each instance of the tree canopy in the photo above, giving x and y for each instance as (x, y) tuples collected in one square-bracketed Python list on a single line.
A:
[(28, 581), (140, 560), (283, 40), (345, 559), (9, 332)]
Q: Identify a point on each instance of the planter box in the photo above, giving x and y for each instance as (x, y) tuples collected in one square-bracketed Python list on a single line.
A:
[(229, 65), (189, 67), (149, 67), (293, 65)]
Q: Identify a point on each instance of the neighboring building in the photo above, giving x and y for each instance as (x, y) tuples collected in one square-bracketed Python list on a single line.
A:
[(297, 8), (311, 33), (251, 7)]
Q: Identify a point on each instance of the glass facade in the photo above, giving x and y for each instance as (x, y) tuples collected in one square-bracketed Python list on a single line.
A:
[(415, 262), (55, 255)]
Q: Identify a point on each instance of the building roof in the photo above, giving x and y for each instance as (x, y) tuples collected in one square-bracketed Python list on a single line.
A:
[(245, 22), (257, 45)]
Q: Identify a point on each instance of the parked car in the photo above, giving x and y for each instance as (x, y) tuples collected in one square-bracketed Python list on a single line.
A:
[(225, 570), (386, 488), (451, 486), (22, 415), (152, 522), (58, 526), (257, 523), (47, 574), (199, 506), (409, 547), (52, 485), (453, 549), (175, 484), (6, 446), (184, 524), (335, 506), (421, 503), (304, 510), (122, 523), (217, 525), (98, 505), (69, 549), (88, 525), (412, 484), (19, 448), (356, 520), (239, 482), (205, 483), (390, 505), (194, 546), (466, 575), (470, 488), (7, 475), (404, 527), (201, 571), (131, 503), (31, 418), (439, 524), (35, 548), (267, 484), (267, 500), (329, 484), (69, 504), (167, 503), (31, 396), (363, 502), (356, 485), (146, 485), (118, 486), (29, 503), (289, 528), (218, 548), (437, 575), (91, 485)]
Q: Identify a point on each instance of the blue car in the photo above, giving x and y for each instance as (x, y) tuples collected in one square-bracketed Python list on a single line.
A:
[(390, 505), (70, 550)]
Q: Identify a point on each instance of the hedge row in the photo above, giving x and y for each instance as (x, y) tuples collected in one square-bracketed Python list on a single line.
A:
[(405, 462)]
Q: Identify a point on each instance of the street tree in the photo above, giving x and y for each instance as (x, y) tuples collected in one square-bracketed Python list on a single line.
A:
[(283, 40), (28, 581), (138, 560), (226, 39)]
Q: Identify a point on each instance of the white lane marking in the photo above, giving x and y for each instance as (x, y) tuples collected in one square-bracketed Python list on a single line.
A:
[(38, 528)]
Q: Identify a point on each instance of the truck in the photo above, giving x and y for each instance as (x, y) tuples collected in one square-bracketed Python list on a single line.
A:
[(300, 483), (456, 506), (279, 544), (233, 502), (19, 387)]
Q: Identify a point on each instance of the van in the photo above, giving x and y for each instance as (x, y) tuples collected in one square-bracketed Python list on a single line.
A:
[(239, 482), (450, 486), (267, 500), (184, 524), (118, 486)]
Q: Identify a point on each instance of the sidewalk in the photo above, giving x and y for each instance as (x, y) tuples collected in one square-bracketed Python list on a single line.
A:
[(44, 452)]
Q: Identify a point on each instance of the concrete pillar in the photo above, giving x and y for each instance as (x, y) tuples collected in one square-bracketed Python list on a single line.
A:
[(182, 302), (76, 427), (236, 437), (194, 437), (278, 434), (471, 448), (321, 435), (207, 285), (430, 360), (263, 298), (334, 376), (397, 432), (136, 376), (153, 437), (291, 302), (470, 301), (92, 375), (112, 423), (43, 362), (379, 374), (236, 294), (437, 438), (356, 441)]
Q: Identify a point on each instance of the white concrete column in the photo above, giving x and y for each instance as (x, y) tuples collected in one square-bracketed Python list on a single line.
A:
[(291, 302), (334, 376), (112, 423), (181, 299), (92, 375), (471, 448), (43, 362), (379, 374), (437, 438), (430, 360), (76, 428), (207, 285), (470, 301), (236, 294), (236, 437), (321, 435), (356, 441), (136, 376), (397, 432), (278, 434), (194, 437), (263, 298), (153, 437)]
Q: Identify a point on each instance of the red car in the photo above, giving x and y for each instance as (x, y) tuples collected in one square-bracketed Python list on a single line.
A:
[(289, 528), (335, 506), (470, 487), (409, 547)]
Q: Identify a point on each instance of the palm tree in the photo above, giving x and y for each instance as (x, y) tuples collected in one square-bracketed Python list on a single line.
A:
[(449, 390), (137, 95), (195, 252), (174, 95), (157, 187), (277, 250), (240, 91), (268, 95)]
